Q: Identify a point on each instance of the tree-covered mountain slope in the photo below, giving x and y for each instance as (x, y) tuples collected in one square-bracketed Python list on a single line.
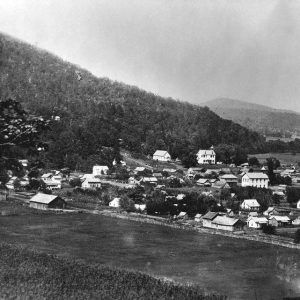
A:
[(97, 114), (263, 119)]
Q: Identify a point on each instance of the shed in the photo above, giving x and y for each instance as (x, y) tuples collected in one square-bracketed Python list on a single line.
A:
[(228, 224), (208, 218), (279, 221), (45, 201)]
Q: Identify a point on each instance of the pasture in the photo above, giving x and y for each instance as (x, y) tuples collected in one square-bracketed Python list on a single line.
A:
[(238, 268), (284, 158)]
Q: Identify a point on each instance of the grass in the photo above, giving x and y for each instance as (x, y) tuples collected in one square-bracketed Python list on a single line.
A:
[(28, 274), (216, 264), (284, 158)]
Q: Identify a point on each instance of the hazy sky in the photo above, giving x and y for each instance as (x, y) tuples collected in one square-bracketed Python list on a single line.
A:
[(188, 49)]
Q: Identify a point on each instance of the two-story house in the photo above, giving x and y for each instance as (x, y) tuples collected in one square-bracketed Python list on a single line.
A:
[(206, 156)]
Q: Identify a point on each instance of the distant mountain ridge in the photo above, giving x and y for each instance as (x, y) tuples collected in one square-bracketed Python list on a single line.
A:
[(263, 119)]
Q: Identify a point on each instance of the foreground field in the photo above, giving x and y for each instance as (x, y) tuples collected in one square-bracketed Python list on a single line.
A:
[(284, 158), (238, 268), (29, 275)]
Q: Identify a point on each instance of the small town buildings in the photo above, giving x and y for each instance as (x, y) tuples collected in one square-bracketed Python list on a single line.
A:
[(47, 177), (203, 182), (279, 221), (140, 207), (206, 156), (53, 185), (91, 183), (24, 162), (161, 155), (256, 222), (182, 215), (259, 180), (100, 170), (221, 184), (296, 222), (230, 179), (132, 180), (226, 223), (250, 205), (198, 218), (138, 170), (151, 180), (208, 218), (158, 175), (45, 201), (115, 202), (11, 183)]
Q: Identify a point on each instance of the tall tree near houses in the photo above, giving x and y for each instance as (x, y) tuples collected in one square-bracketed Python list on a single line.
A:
[(18, 129)]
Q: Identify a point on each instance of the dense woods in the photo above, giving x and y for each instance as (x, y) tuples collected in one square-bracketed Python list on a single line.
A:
[(96, 116)]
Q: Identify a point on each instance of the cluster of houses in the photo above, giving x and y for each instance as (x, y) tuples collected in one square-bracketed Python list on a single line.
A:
[(250, 208)]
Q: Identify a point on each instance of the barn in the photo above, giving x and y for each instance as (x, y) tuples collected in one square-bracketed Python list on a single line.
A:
[(45, 201)]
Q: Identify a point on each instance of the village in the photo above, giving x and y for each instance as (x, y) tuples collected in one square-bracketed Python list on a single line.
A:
[(213, 195)]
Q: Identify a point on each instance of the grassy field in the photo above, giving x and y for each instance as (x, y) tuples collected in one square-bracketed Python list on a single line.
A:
[(284, 158), (31, 275), (240, 269)]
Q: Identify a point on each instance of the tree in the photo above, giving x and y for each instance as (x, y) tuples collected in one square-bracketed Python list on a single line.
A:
[(127, 204), (253, 161), (75, 182), (297, 237), (18, 129), (189, 160), (268, 229)]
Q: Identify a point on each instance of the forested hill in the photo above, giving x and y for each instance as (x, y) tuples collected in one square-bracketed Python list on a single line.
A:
[(97, 113), (263, 119)]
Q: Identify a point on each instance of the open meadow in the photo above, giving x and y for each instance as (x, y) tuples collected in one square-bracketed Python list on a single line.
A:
[(238, 268), (284, 158)]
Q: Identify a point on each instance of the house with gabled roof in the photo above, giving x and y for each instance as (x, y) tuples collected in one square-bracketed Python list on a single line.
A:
[(259, 180), (250, 205), (256, 222), (279, 221), (230, 179), (208, 218), (45, 201), (91, 182), (206, 156), (228, 224), (161, 155)]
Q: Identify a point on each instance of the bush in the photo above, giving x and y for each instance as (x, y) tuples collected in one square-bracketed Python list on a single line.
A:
[(268, 229), (297, 237), (75, 182)]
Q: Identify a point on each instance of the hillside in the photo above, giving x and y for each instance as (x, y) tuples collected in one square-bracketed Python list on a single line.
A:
[(260, 118), (99, 115)]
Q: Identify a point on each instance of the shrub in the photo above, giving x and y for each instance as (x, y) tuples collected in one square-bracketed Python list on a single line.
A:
[(268, 229), (297, 237)]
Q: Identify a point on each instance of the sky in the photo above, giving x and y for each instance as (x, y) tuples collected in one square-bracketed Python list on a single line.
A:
[(189, 50)]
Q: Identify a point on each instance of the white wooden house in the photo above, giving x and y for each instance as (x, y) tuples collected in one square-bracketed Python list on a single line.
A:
[(100, 170), (161, 155), (256, 222), (115, 202), (206, 156), (91, 183), (259, 180), (250, 205), (298, 204)]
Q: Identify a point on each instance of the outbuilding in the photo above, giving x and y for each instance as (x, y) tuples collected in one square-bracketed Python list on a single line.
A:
[(45, 201)]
